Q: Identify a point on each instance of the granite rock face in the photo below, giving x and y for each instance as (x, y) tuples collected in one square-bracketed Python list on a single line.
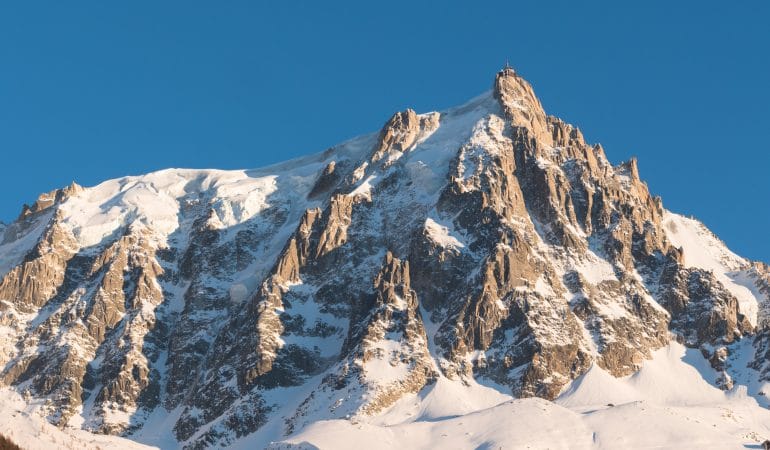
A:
[(486, 242)]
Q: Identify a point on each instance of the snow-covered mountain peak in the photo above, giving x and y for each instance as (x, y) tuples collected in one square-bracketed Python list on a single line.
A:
[(485, 252)]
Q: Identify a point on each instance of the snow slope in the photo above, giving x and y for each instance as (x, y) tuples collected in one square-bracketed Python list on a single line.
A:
[(667, 404), (21, 423)]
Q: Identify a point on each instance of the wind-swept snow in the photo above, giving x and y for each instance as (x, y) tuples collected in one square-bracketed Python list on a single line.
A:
[(443, 399), (675, 375), (156, 201)]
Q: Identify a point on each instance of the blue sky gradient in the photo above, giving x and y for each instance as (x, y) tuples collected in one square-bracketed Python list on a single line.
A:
[(95, 90)]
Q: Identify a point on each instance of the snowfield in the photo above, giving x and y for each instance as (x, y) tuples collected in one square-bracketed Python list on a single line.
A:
[(23, 425), (667, 404)]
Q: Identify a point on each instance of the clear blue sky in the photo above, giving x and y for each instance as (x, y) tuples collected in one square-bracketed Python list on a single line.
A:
[(92, 90)]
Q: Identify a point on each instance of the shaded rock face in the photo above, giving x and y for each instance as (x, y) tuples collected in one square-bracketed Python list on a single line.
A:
[(704, 312), (759, 274), (489, 241)]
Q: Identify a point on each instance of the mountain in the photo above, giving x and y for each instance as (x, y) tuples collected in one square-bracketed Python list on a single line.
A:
[(406, 280)]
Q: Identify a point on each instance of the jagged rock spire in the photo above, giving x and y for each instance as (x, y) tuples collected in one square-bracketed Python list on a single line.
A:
[(401, 132), (520, 105), (45, 201)]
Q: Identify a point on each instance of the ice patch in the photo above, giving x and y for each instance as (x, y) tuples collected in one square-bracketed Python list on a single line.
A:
[(443, 235), (364, 190)]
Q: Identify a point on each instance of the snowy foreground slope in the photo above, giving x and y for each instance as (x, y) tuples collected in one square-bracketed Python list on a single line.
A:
[(666, 404), (478, 277)]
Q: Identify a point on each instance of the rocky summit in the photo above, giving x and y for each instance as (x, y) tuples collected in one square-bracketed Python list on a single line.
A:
[(485, 247)]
